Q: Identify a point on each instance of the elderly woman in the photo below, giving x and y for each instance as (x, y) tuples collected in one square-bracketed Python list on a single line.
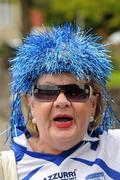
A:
[(61, 76)]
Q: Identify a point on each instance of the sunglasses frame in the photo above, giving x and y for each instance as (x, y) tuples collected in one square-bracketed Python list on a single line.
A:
[(61, 89)]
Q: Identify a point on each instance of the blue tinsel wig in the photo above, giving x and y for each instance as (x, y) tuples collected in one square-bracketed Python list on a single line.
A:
[(57, 50)]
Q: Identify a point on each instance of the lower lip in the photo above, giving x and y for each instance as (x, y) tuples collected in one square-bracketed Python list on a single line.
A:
[(59, 124)]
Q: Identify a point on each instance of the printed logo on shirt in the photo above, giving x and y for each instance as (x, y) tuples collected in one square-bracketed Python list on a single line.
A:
[(70, 175), (96, 176)]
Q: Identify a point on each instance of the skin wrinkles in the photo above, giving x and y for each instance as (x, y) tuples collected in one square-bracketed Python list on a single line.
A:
[(52, 139)]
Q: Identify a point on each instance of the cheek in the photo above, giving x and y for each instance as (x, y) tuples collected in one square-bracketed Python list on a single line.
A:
[(40, 111), (82, 114)]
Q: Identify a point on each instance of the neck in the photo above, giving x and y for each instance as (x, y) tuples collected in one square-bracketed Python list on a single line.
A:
[(38, 146)]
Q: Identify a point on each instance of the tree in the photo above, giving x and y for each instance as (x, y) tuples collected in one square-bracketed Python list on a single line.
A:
[(103, 14), (25, 7)]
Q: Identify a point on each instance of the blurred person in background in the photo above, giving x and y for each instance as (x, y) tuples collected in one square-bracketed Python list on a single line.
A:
[(64, 131)]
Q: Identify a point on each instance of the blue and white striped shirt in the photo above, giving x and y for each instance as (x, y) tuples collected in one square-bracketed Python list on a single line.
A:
[(96, 158)]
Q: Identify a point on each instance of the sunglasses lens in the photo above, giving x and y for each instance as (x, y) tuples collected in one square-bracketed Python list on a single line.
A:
[(45, 92), (73, 92), (77, 93)]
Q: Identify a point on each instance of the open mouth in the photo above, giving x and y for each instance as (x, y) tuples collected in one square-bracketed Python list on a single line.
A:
[(63, 121)]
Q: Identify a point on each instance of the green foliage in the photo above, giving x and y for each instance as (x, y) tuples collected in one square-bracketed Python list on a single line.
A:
[(115, 54), (114, 80), (116, 61), (103, 13), (14, 1)]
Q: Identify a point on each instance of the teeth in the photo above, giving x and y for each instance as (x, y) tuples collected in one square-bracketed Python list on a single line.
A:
[(63, 119)]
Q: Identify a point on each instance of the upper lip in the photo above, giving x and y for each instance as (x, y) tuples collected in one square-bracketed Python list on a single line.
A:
[(63, 116)]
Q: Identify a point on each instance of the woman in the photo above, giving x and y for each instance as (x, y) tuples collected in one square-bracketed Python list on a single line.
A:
[(62, 73)]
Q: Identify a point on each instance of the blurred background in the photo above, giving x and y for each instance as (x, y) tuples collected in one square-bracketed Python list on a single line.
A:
[(19, 17)]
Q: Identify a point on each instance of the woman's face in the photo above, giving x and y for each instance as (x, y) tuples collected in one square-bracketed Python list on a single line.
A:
[(61, 123)]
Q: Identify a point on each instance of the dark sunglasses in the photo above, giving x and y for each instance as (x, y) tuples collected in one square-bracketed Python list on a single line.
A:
[(73, 92)]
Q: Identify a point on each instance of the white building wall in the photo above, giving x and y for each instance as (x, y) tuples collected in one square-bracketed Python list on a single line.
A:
[(10, 21)]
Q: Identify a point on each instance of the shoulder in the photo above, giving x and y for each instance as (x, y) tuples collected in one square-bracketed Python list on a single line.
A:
[(111, 137), (110, 144), (112, 134)]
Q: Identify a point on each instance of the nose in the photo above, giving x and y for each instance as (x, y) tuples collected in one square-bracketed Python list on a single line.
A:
[(62, 101)]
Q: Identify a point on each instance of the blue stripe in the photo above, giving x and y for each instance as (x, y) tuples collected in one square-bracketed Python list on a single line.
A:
[(110, 172), (94, 145), (20, 151), (32, 173)]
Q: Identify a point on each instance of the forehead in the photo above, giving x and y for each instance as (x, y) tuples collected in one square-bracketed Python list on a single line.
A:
[(63, 78)]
